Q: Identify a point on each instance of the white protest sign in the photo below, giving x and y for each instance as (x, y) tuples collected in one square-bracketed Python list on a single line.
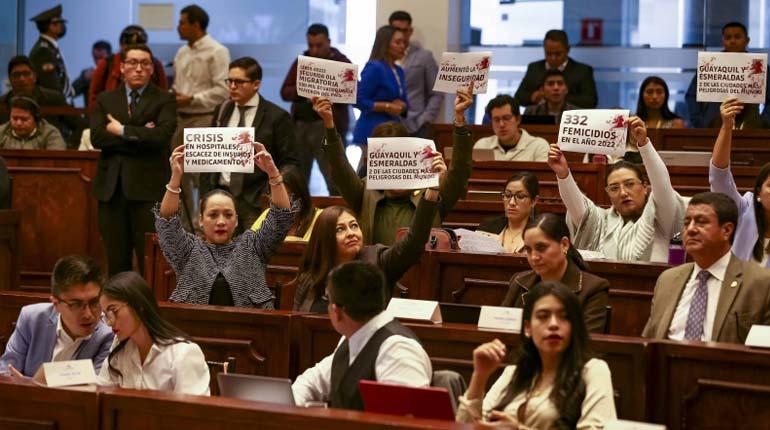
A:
[(219, 149), (725, 74), (478, 241), (457, 69), (500, 318), (335, 80), (417, 310), (74, 372), (400, 163), (594, 131), (759, 335)]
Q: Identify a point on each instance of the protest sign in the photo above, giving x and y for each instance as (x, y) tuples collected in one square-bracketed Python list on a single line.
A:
[(594, 131), (457, 69), (400, 163), (335, 80), (219, 149), (725, 74)]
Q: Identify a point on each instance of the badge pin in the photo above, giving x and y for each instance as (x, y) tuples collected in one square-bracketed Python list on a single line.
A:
[(734, 284)]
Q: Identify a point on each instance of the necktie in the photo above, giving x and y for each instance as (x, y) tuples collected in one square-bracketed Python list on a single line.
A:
[(697, 314), (236, 179), (242, 113), (134, 102)]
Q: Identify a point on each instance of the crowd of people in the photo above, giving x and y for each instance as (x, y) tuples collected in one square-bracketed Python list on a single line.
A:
[(219, 246)]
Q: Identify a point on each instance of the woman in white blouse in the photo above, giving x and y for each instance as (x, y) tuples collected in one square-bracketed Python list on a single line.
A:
[(555, 382), (148, 352)]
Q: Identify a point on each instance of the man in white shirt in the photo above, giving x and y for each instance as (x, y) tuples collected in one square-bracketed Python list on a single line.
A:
[(374, 346), (200, 70), (68, 328), (509, 141), (718, 297)]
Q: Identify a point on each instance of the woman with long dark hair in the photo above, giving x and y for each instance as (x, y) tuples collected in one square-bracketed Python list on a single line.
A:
[(555, 383), (296, 186), (652, 105), (752, 236), (552, 257), (519, 200), (148, 352)]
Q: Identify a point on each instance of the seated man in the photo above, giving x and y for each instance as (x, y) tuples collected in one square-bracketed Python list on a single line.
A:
[(27, 129), (579, 76), (68, 328), (509, 141), (555, 92), (374, 345), (718, 297)]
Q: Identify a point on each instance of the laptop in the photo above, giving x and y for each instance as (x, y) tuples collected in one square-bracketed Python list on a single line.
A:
[(428, 402), (685, 158), (256, 388), (460, 313), (476, 155)]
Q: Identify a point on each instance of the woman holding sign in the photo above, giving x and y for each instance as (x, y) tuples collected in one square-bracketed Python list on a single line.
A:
[(640, 224), (382, 91), (752, 236), (555, 383), (219, 269)]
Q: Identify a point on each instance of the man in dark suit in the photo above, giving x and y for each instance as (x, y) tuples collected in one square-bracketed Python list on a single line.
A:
[(272, 128), (45, 55), (24, 83), (718, 297), (578, 76), (132, 125)]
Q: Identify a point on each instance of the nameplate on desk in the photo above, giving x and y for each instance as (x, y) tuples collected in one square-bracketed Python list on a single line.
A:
[(500, 318), (631, 425), (415, 310), (74, 372), (759, 336)]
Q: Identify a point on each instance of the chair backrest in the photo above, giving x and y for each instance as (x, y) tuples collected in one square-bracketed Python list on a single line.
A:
[(452, 381)]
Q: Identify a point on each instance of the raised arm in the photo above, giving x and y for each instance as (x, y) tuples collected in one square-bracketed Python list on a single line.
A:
[(462, 148), (720, 177), (175, 242), (569, 191)]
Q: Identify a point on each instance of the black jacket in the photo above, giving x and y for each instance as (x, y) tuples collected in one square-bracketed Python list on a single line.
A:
[(494, 224), (578, 76), (49, 65)]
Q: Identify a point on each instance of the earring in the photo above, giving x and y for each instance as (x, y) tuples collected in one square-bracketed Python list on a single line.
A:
[(758, 200)]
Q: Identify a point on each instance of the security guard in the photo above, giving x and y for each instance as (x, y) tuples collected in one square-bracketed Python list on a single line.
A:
[(45, 55)]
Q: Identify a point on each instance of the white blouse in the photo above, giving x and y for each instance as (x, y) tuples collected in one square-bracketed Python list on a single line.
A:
[(179, 368), (541, 413)]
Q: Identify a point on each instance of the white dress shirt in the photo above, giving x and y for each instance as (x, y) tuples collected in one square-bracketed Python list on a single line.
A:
[(200, 71), (528, 148), (250, 113), (401, 361), (66, 347), (714, 284), (179, 367)]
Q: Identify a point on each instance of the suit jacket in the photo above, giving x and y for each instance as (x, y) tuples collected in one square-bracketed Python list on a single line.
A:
[(494, 224), (34, 339), (70, 126), (272, 128), (421, 69), (592, 291), (579, 78), (744, 300), (139, 158), (49, 66)]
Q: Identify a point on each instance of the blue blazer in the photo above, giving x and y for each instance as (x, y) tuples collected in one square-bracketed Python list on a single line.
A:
[(378, 84), (33, 341)]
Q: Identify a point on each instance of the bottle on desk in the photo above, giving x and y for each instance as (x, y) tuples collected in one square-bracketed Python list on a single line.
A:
[(676, 252)]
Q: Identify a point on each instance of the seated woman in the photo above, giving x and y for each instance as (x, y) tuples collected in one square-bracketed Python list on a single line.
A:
[(219, 269), (553, 258), (556, 382), (296, 186), (519, 200), (635, 228), (337, 238), (752, 236), (148, 352), (652, 105)]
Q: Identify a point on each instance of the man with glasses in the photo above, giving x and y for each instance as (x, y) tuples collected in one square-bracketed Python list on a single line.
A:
[(45, 55), (509, 141), (69, 327), (272, 128), (640, 224), (132, 126)]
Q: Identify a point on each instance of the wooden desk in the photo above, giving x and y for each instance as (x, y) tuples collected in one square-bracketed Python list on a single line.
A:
[(9, 249), (25, 406), (52, 191)]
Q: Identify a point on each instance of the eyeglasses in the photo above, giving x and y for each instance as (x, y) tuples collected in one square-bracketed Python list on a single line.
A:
[(236, 82), (504, 118), (80, 306), (110, 314), (133, 64), (628, 185), (518, 198)]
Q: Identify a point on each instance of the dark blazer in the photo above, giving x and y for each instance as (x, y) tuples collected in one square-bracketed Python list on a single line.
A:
[(579, 78), (592, 291), (272, 128), (494, 224), (49, 65), (70, 126), (744, 300), (378, 84), (140, 157)]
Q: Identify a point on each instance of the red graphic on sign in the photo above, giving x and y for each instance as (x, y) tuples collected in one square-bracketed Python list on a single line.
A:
[(757, 67), (483, 64), (618, 121), (348, 75)]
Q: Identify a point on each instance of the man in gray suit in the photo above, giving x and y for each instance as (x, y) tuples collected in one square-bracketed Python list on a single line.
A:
[(718, 297), (420, 68)]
